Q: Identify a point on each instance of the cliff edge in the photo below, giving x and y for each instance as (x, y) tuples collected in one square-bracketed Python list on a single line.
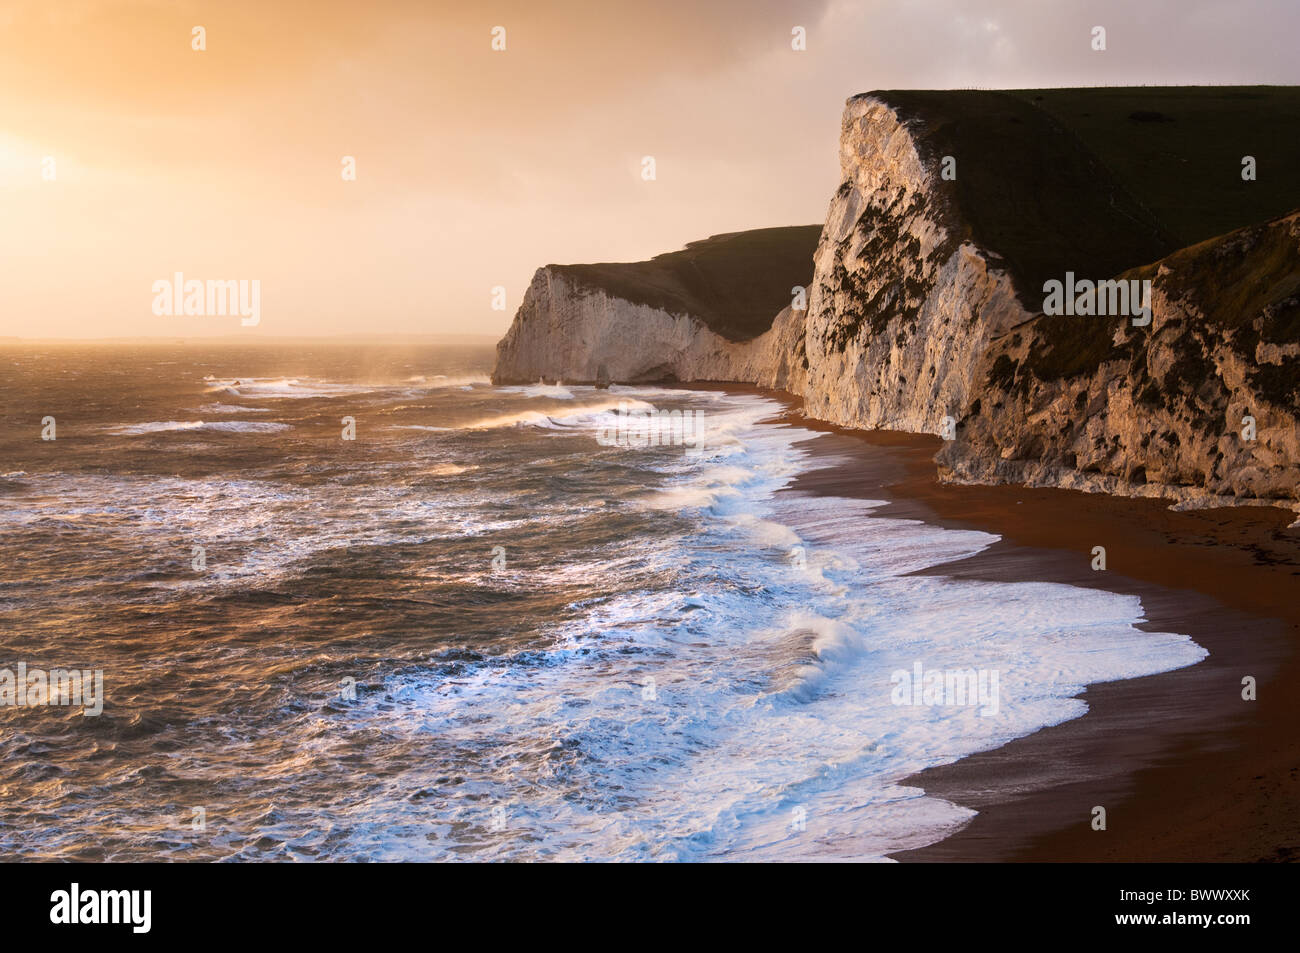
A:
[(719, 310)]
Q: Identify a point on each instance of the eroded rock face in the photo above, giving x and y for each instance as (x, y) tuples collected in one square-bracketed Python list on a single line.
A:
[(578, 334), (1164, 410), (900, 310)]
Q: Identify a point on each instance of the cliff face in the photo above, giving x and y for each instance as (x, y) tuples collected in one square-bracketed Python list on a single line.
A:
[(566, 331), (901, 307), (916, 273), (1159, 410), (926, 299), (927, 302), (718, 310)]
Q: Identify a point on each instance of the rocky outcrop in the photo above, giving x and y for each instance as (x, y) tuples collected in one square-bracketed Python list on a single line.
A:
[(1200, 406), (570, 332), (721, 309)]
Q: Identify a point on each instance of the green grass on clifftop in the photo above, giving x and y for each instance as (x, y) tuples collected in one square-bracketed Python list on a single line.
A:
[(735, 283), (1099, 180), (1178, 149)]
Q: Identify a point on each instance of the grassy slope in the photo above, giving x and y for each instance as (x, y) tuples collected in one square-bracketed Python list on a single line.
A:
[(735, 283), (1182, 158), (1027, 189)]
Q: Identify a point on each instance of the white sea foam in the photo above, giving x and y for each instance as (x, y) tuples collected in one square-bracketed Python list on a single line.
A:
[(261, 529), (461, 381), (232, 426), (717, 720), (554, 391), (294, 388), (559, 417), (710, 716), (287, 388), (232, 409)]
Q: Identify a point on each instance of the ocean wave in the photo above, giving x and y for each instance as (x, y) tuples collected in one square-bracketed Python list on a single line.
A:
[(295, 388), (230, 426), (285, 388), (461, 381), (263, 528), (821, 645), (556, 417), (554, 391), (697, 722), (232, 409), (697, 690)]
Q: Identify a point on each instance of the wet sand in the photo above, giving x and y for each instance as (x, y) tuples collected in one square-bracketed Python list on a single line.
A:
[(1186, 769)]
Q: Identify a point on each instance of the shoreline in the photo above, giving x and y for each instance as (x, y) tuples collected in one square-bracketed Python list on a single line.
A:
[(1187, 770), (1147, 745)]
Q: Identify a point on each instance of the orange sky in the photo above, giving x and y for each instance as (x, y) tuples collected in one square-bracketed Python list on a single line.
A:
[(473, 166)]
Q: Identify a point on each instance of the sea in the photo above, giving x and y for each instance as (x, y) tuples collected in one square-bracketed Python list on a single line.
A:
[(353, 602)]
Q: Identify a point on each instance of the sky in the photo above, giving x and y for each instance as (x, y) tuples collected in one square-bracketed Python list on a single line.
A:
[(128, 156)]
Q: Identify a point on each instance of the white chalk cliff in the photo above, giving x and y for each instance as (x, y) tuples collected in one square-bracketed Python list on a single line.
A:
[(566, 331), (901, 309), (914, 316)]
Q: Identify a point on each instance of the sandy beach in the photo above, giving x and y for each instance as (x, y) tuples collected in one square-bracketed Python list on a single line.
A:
[(1186, 769)]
